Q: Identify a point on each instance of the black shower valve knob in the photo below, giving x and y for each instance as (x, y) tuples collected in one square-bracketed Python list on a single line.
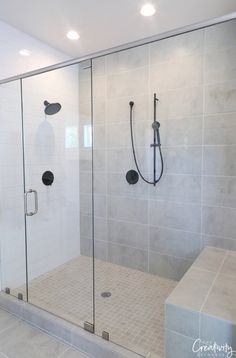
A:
[(48, 178)]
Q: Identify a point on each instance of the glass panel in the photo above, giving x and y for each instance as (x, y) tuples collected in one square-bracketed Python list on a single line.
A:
[(147, 236), (138, 226), (60, 279), (12, 228)]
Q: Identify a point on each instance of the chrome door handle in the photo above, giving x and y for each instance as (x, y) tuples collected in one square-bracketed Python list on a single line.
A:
[(31, 213)]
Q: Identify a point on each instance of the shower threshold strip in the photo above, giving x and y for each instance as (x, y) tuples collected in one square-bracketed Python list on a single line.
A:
[(65, 331)]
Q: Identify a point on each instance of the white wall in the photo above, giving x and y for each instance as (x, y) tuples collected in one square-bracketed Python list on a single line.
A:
[(12, 63), (11, 187), (51, 143), (53, 234)]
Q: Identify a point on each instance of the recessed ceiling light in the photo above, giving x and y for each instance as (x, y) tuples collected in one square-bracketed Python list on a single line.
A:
[(72, 35), (147, 10), (24, 52)]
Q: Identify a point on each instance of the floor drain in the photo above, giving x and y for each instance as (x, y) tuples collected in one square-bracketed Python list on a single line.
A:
[(106, 294)]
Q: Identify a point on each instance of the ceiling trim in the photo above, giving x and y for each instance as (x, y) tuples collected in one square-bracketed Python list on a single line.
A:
[(164, 35)]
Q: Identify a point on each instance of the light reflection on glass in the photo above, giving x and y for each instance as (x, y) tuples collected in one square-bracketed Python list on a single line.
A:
[(71, 137), (87, 136)]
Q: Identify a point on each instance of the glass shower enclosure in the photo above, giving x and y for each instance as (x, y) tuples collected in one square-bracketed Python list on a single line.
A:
[(82, 239), (42, 232)]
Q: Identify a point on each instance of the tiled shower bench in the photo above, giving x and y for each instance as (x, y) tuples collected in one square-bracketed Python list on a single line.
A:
[(202, 307)]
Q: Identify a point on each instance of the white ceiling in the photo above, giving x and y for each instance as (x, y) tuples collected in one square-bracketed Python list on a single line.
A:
[(104, 23)]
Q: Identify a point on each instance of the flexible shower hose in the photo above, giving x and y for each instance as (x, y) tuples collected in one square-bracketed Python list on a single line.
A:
[(134, 154)]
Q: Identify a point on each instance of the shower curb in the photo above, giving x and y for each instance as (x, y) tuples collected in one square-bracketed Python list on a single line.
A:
[(67, 332)]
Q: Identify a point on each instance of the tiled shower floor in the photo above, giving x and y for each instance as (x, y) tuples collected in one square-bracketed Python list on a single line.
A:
[(133, 314)]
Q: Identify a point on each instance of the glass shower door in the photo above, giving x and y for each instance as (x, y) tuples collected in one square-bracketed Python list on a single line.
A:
[(60, 279), (12, 228)]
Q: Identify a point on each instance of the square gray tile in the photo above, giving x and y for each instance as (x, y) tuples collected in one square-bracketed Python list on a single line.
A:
[(23, 341)]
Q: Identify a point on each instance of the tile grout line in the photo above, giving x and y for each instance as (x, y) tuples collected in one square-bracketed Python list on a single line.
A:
[(11, 325), (202, 169), (142, 198), (141, 249), (62, 353), (203, 134), (181, 117), (210, 289), (213, 283), (166, 174), (147, 193), (164, 146), (106, 152), (160, 227)]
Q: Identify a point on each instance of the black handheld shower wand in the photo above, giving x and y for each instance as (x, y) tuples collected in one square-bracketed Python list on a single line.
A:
[(156, 143)]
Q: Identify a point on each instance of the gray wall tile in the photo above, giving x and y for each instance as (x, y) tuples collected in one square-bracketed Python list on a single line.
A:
[(217, 330), (133, 210), (229, 266), (175, 242), (176, 47), (220, 36), (100, 248), (99, 156), (220, 160), (184, 102), (118, 135), (219, 221), (180, 216), (100, 204), (121, 160), (100, 227), (99, 135), (127, 60), (99, 66), (185, 188), (168, 266), (189, 295), (183, 72), (210, 259), (118, 108), (85, 160), (220, 129), (181, 131), (118, 185), (221, 97), (221, 299), (179, 346), (99, 111), (128, 256), (126, 83), (183, 160), (86, 225), (130, 234), (182, 321), (220, 66), (220, 242), (85, 182), (219, 191)]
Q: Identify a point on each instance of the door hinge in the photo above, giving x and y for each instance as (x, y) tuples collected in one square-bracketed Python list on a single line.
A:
[(20, 296), (105, 335), (89, 327)]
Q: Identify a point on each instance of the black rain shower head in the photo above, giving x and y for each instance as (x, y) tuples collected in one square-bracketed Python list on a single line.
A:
[(51, 108)]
